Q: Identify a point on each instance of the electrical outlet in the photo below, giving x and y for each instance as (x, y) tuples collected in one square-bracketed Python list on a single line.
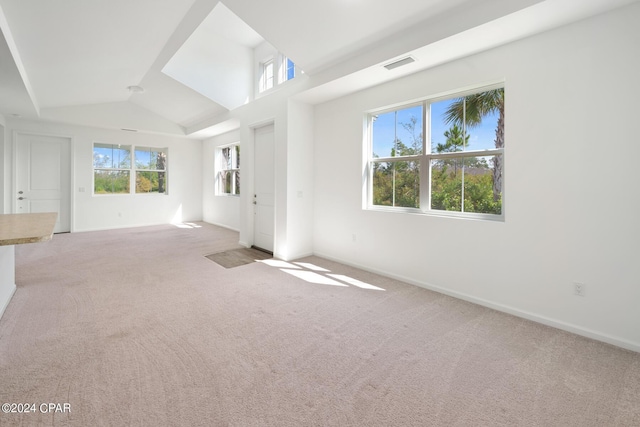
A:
[(579, 289)]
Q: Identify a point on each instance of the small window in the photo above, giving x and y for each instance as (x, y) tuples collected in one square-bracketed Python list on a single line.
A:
[(459, 171), (288, 70), (266, 79), (275, 71), (228, 176), (151, 170), (111, 168)]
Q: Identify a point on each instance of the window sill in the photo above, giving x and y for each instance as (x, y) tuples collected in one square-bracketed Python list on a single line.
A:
[(437, 213)]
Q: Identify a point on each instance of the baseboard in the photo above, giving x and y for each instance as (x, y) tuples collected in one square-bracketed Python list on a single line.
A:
[(122, 227), (292, 257), (223, 226), (6, 299), (575, 329)]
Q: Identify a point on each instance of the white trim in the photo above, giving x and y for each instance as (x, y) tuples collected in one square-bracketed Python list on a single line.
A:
[(217, 224), (558, 324), (4, 306)]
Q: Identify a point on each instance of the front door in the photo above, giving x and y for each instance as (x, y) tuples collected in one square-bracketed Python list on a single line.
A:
[(42, 177), (263, 196)]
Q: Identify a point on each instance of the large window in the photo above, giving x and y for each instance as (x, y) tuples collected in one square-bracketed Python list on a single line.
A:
[(459, 171), (116, 166), (228, 176)]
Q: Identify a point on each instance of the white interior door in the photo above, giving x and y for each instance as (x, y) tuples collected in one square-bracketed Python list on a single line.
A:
[(263, 196), (43, 177)]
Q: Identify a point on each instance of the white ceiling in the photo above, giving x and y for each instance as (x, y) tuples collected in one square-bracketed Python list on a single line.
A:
[(71, 61)]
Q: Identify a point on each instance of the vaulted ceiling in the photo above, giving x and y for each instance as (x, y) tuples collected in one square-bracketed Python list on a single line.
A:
[(72, 61)]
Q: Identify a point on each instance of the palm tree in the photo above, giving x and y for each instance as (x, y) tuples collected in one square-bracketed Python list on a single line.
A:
[(470, 110)]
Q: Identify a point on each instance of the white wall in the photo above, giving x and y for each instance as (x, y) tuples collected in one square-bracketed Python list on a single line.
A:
[(3, 165), (293, 144), (300, 169), (571, 198), (89, 212), (220, 210)]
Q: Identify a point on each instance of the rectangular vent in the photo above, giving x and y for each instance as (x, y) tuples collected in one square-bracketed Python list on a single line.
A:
[(400, 63)]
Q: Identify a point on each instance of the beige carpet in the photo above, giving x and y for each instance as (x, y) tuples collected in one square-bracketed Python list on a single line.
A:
[(136, 327)]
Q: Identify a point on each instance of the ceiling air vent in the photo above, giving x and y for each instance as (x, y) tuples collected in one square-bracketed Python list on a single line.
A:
[(400, 63)]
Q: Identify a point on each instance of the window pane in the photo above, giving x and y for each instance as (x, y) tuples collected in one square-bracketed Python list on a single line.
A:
[(447, 137), (226, 158), (237, 173), (291, 70), (157, 159), (479, 175), (111, 156), (143, 158), (446, 184), (237, 165), (396, 184), (267, 76), (225, 182), (151, 182), (111, 182), (397, 133), (467, 123)]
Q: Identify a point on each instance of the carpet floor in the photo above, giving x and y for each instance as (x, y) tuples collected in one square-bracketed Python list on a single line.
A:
[(136, 327)]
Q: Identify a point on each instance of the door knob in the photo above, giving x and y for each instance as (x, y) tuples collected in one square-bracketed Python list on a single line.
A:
[(21, 198)]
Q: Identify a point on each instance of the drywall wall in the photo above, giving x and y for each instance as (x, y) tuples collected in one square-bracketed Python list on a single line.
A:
[(3, 165), (221, 210), (300, 178), (97, 212), (569, 191), (292, 174)]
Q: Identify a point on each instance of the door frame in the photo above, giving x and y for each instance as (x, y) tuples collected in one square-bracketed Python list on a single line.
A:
[(255, 128), (14, 167)]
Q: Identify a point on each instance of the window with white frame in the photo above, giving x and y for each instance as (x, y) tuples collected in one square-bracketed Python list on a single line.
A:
[(266, 75), (275, 71), (458, 172), (121, 169), (228, 176), (111, 168), (151, 170), (287, 69)]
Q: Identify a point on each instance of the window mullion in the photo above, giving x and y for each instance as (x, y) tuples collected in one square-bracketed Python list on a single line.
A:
[(425, 160)]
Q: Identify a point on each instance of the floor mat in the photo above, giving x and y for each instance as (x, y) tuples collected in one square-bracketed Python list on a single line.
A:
[(238, 257)]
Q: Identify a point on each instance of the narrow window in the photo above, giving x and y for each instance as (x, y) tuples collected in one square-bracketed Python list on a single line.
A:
[(288, 69), (266, 80), (228, 176)]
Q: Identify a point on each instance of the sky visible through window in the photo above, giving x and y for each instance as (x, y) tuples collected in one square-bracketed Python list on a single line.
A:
[(388, 125)]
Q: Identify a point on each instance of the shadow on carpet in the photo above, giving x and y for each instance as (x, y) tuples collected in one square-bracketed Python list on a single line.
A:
[(238, 257)]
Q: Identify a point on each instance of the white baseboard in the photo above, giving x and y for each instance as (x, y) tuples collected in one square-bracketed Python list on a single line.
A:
[(575, 329), (217, 224), (6, 298)]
